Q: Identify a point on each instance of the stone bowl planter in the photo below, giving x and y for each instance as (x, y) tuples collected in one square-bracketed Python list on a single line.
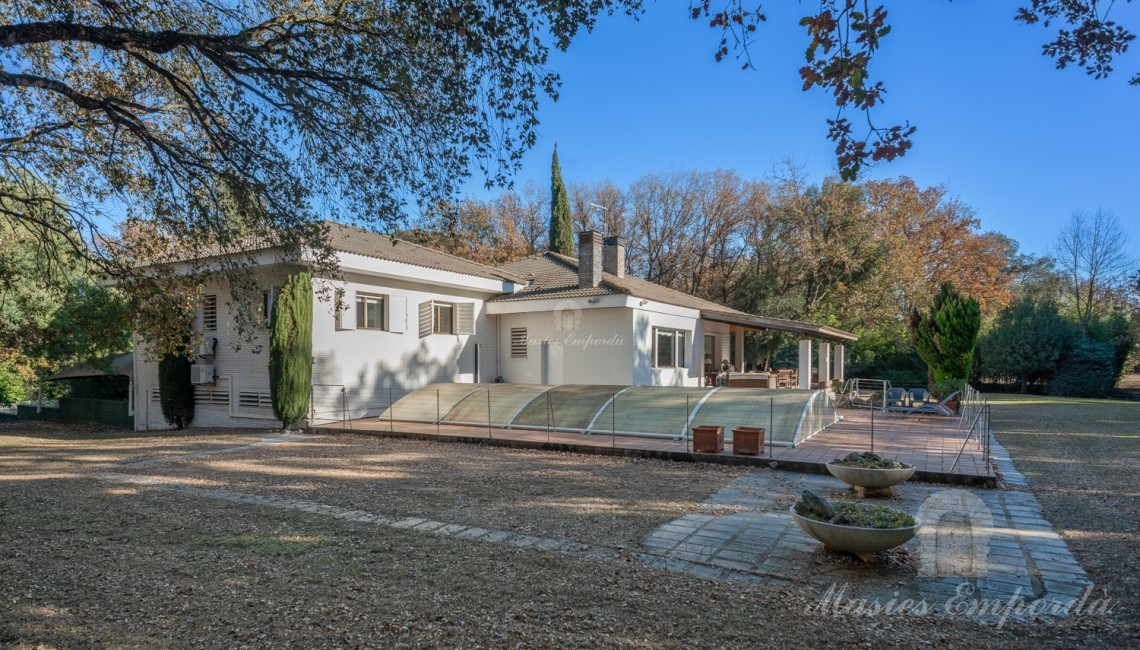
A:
[(857, 540), (871, 482)]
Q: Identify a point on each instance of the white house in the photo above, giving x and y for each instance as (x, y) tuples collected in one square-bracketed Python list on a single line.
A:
[(416, 316)]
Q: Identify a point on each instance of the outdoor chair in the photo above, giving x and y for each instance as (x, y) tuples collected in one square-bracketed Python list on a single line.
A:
[(931, 408), (783, 377), (896, 398), (919, 396)]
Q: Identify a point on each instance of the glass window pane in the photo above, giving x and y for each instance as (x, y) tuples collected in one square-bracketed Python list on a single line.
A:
[(373, 313), (665, 349), (681, 350), (360, 320), (443, 319)]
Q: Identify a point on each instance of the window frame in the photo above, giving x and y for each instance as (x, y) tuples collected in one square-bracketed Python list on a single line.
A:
[(678, 347), (360, 306), (436, 306)]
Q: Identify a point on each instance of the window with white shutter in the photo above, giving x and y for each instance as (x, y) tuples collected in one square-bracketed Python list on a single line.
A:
[(210, 312), (426, 314), (465, 318), (518, 342)]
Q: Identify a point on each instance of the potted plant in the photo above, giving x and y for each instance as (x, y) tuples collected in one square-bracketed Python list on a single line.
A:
[(856, 528), (870, 474), (747, 441), (708, 439), (945, 388)]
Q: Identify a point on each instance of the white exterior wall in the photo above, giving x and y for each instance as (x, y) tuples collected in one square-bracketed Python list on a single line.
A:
[(370, 364), (235, 371), (596, 344), (375, 366), (656, 315), (611, 343)]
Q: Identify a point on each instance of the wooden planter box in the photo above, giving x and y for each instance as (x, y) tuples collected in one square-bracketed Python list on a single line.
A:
[(747, 441), (708, 439)]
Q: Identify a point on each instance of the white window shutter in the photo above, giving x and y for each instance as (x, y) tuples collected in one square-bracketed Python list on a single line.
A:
[(425, 319), (465, 318), (397, 316), (346, 317)]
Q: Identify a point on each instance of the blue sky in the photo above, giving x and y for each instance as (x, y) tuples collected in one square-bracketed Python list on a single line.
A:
[(1021, 142)]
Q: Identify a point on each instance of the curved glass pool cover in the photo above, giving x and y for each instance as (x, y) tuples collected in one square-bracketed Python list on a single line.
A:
[(789, 416)]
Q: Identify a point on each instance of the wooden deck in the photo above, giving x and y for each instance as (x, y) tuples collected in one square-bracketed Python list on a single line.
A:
[(929, 443)]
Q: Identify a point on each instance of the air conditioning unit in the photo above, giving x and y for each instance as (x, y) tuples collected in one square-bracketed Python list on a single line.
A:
[(201, 374), (206, 347)]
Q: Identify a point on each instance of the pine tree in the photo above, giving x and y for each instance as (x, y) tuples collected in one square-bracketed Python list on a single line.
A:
[(291, 349), (175, 392), (561, 226), (945, 338)]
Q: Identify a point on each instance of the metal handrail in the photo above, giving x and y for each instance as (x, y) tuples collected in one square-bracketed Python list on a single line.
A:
[(982, 415)]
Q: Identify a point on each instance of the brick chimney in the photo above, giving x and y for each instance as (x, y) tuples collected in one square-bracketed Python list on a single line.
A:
[(589, 259), (613, 255)]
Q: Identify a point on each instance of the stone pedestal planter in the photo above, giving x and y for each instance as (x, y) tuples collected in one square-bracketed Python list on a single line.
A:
[(747, 441), (860, 541), (708, 439), (870, 482)]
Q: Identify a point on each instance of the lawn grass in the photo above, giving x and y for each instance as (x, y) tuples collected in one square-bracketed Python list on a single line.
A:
[(1082, 458)]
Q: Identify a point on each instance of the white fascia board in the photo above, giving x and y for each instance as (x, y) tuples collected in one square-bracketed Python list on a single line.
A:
[(588, 302), (554, 304), (401, 271), (666, 308)]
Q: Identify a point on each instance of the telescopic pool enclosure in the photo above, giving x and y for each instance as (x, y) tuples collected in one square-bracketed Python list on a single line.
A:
[(790, 416)]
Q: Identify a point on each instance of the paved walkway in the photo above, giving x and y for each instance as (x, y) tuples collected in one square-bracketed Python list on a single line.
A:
[(975, 545)]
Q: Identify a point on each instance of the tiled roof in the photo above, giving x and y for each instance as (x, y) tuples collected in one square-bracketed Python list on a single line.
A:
[(349, 239), (556, 276)]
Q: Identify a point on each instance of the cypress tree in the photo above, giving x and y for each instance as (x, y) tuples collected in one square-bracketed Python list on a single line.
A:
[(945, 337), (561, 226), (175, 392), (291, 349)]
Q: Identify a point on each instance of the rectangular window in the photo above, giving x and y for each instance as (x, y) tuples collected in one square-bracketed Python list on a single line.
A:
[(443, 318), (369, 312), (518, 342), (210, 312), (669, 348), (266, 306)]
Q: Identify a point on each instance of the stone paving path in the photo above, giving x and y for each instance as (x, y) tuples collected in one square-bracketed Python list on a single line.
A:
[(1002, 548)]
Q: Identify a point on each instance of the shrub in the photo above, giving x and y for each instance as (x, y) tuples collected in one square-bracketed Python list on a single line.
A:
[(291, 350), (945, 337), (175, 392), (1116, 330), (1086, 370), (11, 385), (1025, 344)]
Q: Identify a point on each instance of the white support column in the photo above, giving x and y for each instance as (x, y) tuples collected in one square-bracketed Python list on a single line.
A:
[(824, 362), (840, 363), (739, 341), (805, 364)]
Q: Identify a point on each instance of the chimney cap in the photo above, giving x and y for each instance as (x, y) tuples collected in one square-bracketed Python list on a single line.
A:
[(615, 240), (589, 236)]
